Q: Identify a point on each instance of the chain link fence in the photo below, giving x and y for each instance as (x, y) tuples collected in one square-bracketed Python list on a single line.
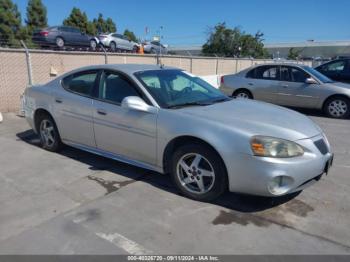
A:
[(22, 67)]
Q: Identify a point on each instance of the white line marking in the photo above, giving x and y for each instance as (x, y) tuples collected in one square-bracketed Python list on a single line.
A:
[(124, 243)]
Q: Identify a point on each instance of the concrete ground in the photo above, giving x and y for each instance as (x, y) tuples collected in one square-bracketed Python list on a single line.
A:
[(78, 203)]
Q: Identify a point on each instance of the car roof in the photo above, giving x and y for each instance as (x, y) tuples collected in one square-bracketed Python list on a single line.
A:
[(126, 68)]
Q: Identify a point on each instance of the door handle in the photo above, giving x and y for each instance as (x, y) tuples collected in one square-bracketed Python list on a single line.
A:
[(101, 112), (251, 84), (58, 100), (285, 86)]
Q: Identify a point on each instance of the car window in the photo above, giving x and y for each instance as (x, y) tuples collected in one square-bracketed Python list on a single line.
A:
[(267, 72), (336, 66), (155, 43), (81, 83), (114, 87), (293, 74), (171, 88)]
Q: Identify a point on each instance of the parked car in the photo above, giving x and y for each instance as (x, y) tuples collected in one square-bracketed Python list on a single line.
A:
[(290, 85), (61, 36), (337, 70), (155, 47), (118, 42), (167, 120)]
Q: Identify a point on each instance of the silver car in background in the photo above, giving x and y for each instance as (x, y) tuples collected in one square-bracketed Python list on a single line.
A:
[(117, 42), (167, 120), (155, 47), (290, 85)]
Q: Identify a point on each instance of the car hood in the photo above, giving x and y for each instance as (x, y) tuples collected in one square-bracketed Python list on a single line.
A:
[(257, 118), (338, 84)]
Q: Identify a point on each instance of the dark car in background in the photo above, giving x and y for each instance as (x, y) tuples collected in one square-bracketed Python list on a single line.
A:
[(337, 70), (63, 36)]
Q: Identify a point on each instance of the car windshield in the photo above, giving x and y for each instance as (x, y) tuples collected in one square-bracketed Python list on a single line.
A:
[(318, 75), (175, 88)]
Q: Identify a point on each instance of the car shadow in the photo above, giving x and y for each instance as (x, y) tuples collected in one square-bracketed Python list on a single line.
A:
[(233, 201)]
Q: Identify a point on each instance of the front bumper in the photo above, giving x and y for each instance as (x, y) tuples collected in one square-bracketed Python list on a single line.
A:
[(250, 174)]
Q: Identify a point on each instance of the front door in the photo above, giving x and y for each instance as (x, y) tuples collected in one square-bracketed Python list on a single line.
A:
[(126, 133), (293, 89)]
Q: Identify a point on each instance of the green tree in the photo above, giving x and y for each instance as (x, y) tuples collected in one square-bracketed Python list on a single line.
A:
[(293, 54), (104, 26), (36, 16), (233, 42), (78, 19), (10, 23), (130, 35)]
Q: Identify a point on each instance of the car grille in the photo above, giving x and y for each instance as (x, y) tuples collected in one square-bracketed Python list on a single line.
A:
[(322, 146)]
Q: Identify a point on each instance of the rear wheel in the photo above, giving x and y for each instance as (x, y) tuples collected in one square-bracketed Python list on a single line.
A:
[(59, 42), (242, 94), (49, 136), (337, 107), (93, 44), (198, 172), (135, 49), (113, 47)]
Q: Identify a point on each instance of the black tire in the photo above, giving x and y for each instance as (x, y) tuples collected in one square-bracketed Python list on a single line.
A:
[(242, 94), (337, 107), (93, 44), (55, 144), (218, 185), (135, 49), (153, 51), (60, 42), (113, 46)]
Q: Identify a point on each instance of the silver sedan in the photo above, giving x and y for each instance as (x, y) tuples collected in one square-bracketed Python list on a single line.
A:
[(290, 85), (167, 120)]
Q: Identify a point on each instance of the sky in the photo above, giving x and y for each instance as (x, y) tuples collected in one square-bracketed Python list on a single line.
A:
[(187, 22)]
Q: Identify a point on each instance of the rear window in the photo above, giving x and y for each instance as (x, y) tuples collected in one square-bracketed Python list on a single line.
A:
[(81, 83)]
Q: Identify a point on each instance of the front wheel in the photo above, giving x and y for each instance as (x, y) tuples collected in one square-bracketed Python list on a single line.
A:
[(198, 172), (337, 107), (49, 136)]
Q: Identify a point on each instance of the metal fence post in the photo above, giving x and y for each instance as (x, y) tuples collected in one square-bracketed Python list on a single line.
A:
[(217, 65), (236, 65), (29, 64), (105, 54), (191, 61)]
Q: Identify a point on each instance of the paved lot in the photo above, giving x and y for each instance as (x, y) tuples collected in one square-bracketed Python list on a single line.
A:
[(78, 203)]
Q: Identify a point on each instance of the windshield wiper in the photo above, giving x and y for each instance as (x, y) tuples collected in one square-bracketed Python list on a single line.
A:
[(190, 104)]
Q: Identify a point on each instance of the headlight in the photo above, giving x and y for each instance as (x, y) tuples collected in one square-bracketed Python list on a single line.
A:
[(275, 147)]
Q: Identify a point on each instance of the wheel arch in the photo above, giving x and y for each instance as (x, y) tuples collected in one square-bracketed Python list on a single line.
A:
[(243, 89), (334, 96), (183, 140), (37, 114)]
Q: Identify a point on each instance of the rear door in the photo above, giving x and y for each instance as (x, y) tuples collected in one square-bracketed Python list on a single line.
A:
[(293, 89), (73, 108), (263, 81)]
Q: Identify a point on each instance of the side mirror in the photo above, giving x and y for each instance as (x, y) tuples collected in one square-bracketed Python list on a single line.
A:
[(311, 81), (136, 103)]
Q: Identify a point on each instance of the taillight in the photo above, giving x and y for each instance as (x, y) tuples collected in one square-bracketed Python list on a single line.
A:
[(222, 81), (44, 33)]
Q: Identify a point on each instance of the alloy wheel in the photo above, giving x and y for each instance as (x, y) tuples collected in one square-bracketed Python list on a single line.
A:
[(337, 108), (47, 133), (195, 173), (242, 95)]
